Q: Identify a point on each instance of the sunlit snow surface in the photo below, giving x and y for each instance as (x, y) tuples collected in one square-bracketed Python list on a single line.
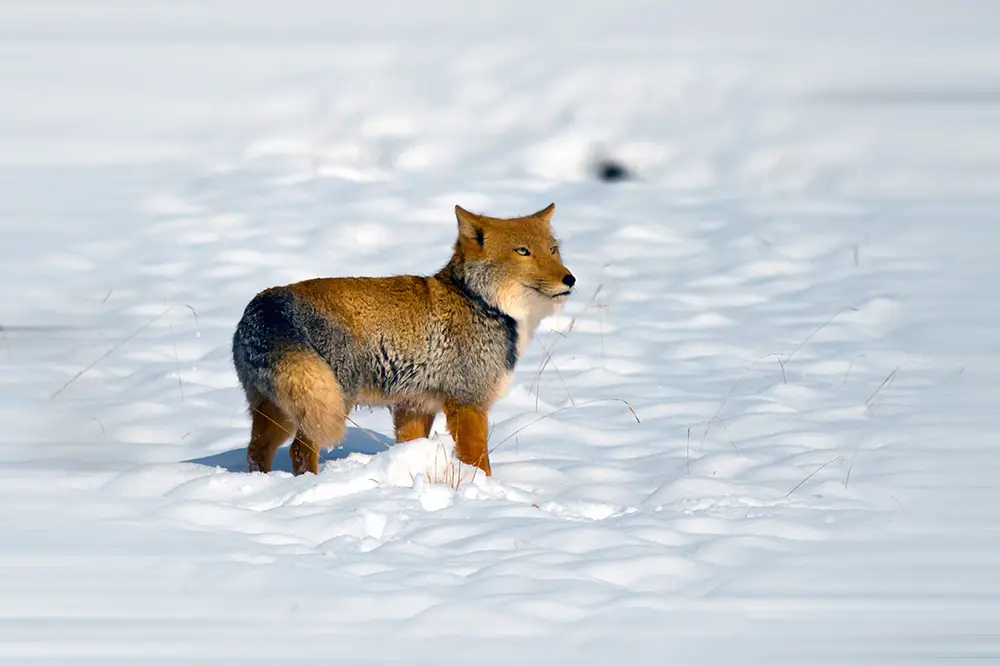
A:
[(797, 297)]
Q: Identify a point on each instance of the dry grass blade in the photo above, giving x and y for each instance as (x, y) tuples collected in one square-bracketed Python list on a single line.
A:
[(851, 366), (452, 475), (177, 362), (369, 434), (110, 352), (782, 362), (601, 307), (562, 380), (550, 351), (739, 381), (857, 447), (809, 337), (687, 452), (811, 475), (537, 382), (538, 377), (288, 433), (563, 409), (725, 429), (868, 402)]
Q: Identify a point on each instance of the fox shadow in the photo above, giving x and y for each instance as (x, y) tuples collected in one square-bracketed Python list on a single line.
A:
[(357, 440)]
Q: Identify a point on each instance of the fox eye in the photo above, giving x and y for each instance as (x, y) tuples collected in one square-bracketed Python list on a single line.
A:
[(554, 249), (523, 251)]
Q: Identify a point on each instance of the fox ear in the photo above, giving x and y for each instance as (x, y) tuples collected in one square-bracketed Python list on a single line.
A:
[(545, 214), (469, 225)]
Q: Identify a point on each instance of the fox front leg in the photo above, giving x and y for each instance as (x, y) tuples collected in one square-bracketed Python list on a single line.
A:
[(409, 424), (469, 428)]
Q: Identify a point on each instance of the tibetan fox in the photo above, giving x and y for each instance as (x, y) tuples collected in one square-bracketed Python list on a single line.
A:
[(307, 353)]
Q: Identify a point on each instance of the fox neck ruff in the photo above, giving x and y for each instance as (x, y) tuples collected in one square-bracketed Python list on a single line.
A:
[(508, 301)]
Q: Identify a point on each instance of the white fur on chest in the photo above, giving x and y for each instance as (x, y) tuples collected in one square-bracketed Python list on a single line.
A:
[(528, 311), (528, 323)]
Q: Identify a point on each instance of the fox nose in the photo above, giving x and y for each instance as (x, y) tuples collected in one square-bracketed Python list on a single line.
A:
[(569, 280)]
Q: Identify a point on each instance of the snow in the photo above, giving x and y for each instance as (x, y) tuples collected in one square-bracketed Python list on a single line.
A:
[(762, 430)]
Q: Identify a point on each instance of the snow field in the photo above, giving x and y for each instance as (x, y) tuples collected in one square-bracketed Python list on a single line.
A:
[(762, 429)]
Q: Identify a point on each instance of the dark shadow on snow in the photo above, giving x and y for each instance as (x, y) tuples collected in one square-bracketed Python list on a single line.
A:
[(356, 441)]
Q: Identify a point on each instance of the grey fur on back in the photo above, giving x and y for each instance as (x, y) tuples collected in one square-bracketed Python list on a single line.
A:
[(465, 366)]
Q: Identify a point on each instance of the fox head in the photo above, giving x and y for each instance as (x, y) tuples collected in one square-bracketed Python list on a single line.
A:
[(514, 264)]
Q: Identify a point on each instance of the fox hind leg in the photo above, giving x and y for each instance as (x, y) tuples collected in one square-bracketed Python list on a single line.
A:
[(270, 428), (304, 454), (410, 424)]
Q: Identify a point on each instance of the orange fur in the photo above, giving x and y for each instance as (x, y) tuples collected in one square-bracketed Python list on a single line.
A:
[(470, 428), (270, 428), (307, 390), (304, 454), (410, 425)]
